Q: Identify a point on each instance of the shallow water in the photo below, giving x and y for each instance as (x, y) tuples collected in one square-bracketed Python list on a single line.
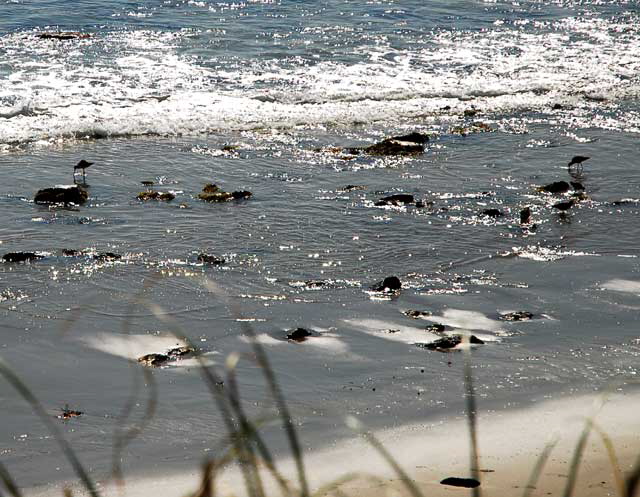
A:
[(280, 81)]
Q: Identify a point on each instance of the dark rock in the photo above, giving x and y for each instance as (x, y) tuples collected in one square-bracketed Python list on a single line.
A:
[(180, 352), (63, 35), (564, 206), (436, 328), (416, 314), (211, 188), (107, 256), (492, 213), (298, 335), (389, 284), (525, 215), (240, 195), (414, 137), (556, 187), (577, 186), (219, 196), (410, 144), (154, 360), (470, 112), (68, 413), (351, 188), (210, 259), (61, 195), (230, 148), (461, 482), (476, 127), (516, 316), (72, 253), (557, 107), (315, 283), (154, 195), (21, 257), (397, 199), (448, 342)]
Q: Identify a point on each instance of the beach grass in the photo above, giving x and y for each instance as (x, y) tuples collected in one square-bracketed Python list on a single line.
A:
[(244, 447)]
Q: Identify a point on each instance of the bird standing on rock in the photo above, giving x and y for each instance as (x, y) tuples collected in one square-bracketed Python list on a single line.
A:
[(82, 165)]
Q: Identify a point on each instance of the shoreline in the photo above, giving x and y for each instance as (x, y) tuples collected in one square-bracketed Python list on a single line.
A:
[(510, 443)]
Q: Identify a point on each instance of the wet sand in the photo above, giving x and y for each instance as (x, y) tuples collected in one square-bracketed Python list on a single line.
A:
[(510, 444)]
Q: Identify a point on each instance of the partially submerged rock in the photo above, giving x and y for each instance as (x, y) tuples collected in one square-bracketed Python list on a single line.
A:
[(476, 127), (411, 144), (72, 253), (351, 188), (107, 256), (561, 187), (416, 314), (516, 316), (492, 213), (155, 195), (61, 195), (175, 354), (436, 328), (461, 482), (153, 360), (448, 342), (389, 284), (210, 259), (63, 35), (21, 257), (68, 413), (396, 199), (298, 334), (213, 193)]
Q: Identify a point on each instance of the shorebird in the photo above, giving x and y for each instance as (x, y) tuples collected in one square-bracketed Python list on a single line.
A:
[(82, 165), (577, 161), (564, 206)]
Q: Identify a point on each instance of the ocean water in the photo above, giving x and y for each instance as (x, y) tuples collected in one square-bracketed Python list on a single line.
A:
[(256, 95)]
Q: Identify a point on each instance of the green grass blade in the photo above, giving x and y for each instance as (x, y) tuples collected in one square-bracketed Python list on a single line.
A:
[(472, 421), (410, 485), (537, 469), (576, 459), (9, 483)]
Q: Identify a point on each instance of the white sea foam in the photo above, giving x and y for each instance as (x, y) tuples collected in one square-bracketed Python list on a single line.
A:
[(619, 285), (58, 94)]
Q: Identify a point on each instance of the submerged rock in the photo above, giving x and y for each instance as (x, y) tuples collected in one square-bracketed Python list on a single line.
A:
[(21, 257), (239, 195), (516, 316), (448, 342), (298, 334), (416, 314), (61, 195), (461, 482), (472, 128), (211, 188), (396, 199), (210, 259), (154, 195), (389, 284)]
